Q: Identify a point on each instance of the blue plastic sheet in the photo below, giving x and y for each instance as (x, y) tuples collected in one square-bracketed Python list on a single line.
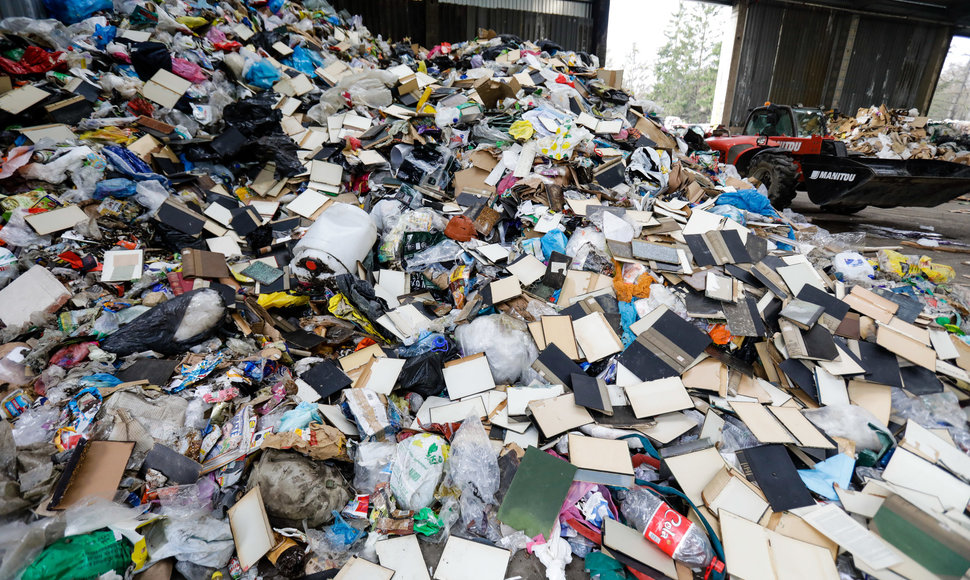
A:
[(118, 188), (262, 74), (129, 164), (836, 470), (628, 315), (748, 200), (74, 11)]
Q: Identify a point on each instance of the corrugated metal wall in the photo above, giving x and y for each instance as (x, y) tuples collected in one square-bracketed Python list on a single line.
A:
[(795, 54), (566, 22)]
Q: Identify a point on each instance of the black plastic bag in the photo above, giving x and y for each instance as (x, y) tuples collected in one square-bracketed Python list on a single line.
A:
[(150, 57), (422, 374), (158, 329)]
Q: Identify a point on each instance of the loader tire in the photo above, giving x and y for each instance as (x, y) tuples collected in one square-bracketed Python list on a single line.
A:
[(779, 174), (842, 208)]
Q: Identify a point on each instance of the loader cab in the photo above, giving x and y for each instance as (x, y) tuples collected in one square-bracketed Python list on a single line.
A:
[(784, 121)]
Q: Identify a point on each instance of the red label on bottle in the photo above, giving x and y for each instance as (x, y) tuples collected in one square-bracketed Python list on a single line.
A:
[(667, 529)]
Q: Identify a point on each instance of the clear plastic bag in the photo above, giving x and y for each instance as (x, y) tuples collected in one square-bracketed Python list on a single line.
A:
[(506, 342), (473, 468), (849, 422), (372, 465)]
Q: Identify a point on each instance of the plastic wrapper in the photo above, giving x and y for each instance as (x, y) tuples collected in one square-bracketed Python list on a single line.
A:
[(171, 327), (473, 468), (372, 464), (849, 422), (505, 341), (198, 538), (417, 468), (299, 418)]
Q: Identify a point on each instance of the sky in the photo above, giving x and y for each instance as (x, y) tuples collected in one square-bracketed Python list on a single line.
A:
[(642, 22)]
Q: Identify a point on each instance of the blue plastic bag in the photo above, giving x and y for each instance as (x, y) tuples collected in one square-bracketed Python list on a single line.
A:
[(118, 188), (126, 162), (74, 11), (302, 60), (299, 418), (104, 35), (554, 241), (748, 200), (262, 74)]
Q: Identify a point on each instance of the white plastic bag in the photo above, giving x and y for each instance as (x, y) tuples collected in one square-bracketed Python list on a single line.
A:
[(419, 462)]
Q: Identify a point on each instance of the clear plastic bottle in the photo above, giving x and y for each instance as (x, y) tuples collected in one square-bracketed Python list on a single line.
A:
[(671, 531)]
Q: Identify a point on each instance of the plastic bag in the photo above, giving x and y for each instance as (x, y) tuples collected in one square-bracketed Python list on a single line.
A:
[(262, 74), (299, 418), (418, 464), (171, 327), (198, 538), (81, 557), (853, 266), (506, 342), (72, 11), (372, 465), (422, 374), (849, 422), (473, 468)]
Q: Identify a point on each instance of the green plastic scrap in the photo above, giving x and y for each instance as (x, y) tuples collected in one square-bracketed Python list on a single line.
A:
[(427, 522), (602, 566), (81, 557)]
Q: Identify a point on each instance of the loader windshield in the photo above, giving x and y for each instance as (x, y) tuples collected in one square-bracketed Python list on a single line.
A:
[(810, 122)]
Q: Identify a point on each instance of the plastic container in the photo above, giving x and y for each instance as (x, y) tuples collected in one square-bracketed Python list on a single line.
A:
[(342, 236), (670, 530)]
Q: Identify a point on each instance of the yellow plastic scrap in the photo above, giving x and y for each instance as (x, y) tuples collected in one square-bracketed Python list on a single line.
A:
[(192, 21), (340, 307), (936, 273), (893, 263), (522, 130), (115, 135), (281, 300)]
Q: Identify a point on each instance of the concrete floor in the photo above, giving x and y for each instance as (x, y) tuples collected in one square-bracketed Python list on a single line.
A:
[(928, 220)]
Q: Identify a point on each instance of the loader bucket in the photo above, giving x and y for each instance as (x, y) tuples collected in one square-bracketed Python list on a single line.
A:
[(861, 181)]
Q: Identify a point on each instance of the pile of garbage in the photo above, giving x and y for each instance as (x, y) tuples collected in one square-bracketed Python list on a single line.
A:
[(902, 134), (282, 298)]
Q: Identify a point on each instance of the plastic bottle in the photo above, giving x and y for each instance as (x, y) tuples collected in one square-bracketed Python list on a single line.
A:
[(671, 531)]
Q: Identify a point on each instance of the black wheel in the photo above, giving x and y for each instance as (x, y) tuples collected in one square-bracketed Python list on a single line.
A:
[(779, 174), (842, 208)]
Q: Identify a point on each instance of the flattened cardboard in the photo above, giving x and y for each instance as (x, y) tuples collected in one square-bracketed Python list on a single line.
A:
[(640, 361), (555, 366), (629, 542), (804, 430), (56, 220), (122, 265), (611, 455), (652, 398), (773, 470), (326, 379), (537, 492), (694, 470), (403, 555), (468, 376), (591, 393), (674, 340), (36, 290), (596, 337), (460, 556), (251, 531), (204, 264), (19, 100), (559, 414), (505, 289), (177, 467), (94, 469), (728, 490), (558, 330), (906, 347), (358, 568), (762, 423)]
